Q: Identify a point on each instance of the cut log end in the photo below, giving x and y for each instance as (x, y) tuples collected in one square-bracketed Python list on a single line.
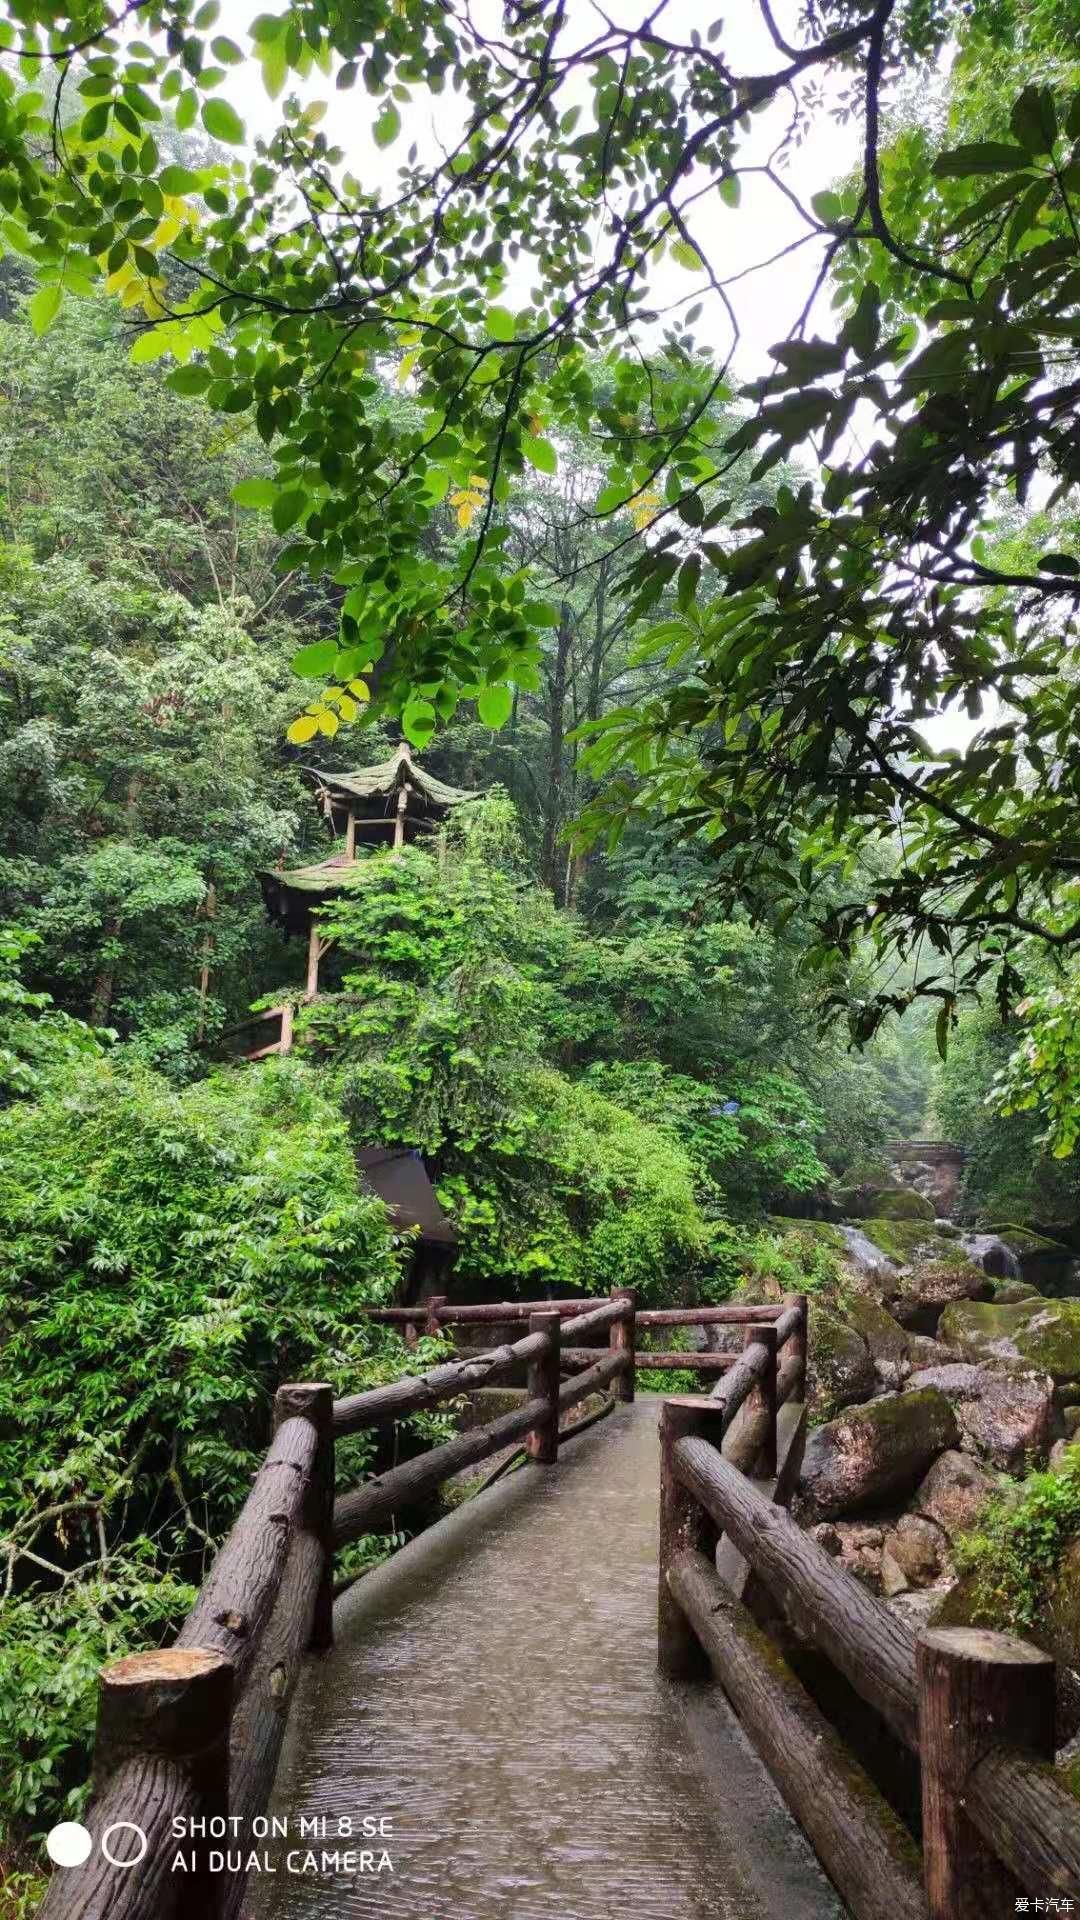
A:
[(983, 1645), (165, 1667)]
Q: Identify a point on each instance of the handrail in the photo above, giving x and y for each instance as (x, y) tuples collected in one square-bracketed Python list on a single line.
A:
[(192, 1734), (977, 1708)]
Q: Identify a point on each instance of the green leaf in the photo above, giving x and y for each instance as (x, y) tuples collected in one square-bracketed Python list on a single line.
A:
[(189, 380), (540, 613), (315, 661), (179, 180), (828, 206), (386, 130), (499, 322), (731, 189), (494, 706), (981, 156), (687, 255), (418, 721), (1059, 563), (256, 492), (44, 308), (288, 507), (223, 123), (1034, 121), (540, 453), (941, 1030), (612, 497)]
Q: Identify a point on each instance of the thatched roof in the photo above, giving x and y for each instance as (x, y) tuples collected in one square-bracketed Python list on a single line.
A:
[(387, 777)]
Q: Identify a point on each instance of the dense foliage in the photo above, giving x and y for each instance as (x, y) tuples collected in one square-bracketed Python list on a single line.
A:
[(451, 447), (167, 1258)]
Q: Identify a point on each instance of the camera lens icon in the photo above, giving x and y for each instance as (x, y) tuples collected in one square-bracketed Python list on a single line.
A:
[(70, 1844)]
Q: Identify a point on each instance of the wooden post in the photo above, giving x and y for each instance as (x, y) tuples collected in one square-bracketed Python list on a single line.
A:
[(796, 1344), (977, 1689), (436, 1301), (314, 950), (621, 1339), (314, 1400), (350, 836), (542, 1444), (762, 1397), (684, 1527), (286, 1040), (161, 1754), (409, 1332), (399, 819)]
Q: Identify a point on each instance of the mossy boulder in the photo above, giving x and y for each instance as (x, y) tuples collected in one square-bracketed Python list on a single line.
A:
[(1008, 1292), (906, 1241), (883, 1334), (825, 1232), (841, 1369), (899, 1203), (1044, 1334), (867, 1452), (1004, 1412), (926, 1288)]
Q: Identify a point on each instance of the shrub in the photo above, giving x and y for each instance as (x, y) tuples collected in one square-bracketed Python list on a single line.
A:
[(166, 1259), (1015, 1551)]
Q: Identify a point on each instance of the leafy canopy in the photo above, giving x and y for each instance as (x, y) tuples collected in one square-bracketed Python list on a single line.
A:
[(826, 628)]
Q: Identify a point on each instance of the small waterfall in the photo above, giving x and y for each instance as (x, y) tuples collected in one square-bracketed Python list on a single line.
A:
[(864, 1255)]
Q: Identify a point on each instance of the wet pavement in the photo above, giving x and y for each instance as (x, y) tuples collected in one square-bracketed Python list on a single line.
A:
[(493, 1695)]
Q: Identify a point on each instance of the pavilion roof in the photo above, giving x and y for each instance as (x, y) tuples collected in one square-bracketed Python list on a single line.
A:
[(386, 777)]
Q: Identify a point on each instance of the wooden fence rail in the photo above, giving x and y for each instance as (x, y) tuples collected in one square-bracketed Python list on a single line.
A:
[(977, 1708), (192, 1734)]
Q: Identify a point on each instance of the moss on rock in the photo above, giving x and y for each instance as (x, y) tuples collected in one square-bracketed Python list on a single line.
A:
[(899, 1203), (1042, 1333), (906, 1241)]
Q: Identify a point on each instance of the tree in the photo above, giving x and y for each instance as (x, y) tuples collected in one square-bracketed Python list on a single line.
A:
[(851, 610)]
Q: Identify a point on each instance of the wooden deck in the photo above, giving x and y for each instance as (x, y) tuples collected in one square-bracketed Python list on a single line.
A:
[(493, 1694)]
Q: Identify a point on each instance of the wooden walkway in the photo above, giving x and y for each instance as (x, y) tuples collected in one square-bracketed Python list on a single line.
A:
[(493, 1694)]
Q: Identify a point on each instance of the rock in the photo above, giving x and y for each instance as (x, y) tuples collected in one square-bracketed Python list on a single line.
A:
[(1008, 1292), (859, 1551), (924, 1352), (916, 1606), (868, 1451), (1070, 1420), (1004, 1413), (1059, 1456), (918, 1548), (884, 1335), (840, 1368), (827, 1537), (898, 1203), (893, 1578), (954, 1492), (927, 1288), (948, 1229), (1042, 1333)]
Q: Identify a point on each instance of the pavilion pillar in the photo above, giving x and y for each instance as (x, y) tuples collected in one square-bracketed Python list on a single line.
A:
[(313, 953), (350, 836), (399, 822)]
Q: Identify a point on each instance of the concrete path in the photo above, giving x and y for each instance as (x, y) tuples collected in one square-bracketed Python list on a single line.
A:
[(493, 1694)]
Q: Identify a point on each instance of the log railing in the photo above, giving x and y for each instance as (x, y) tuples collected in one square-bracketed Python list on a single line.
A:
[(999, 1824), (190, 1736)]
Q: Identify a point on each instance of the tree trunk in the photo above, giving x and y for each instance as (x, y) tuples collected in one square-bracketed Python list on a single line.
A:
[(560, 675)]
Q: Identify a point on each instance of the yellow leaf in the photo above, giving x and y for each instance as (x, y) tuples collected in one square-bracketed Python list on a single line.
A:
[(328, 723), (121, 278), (346, 707), (302, 730), (360, 688), (407, 366), (166, 231)]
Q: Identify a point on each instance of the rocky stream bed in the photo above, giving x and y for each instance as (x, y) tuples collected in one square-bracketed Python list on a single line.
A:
[(945, 1366)]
